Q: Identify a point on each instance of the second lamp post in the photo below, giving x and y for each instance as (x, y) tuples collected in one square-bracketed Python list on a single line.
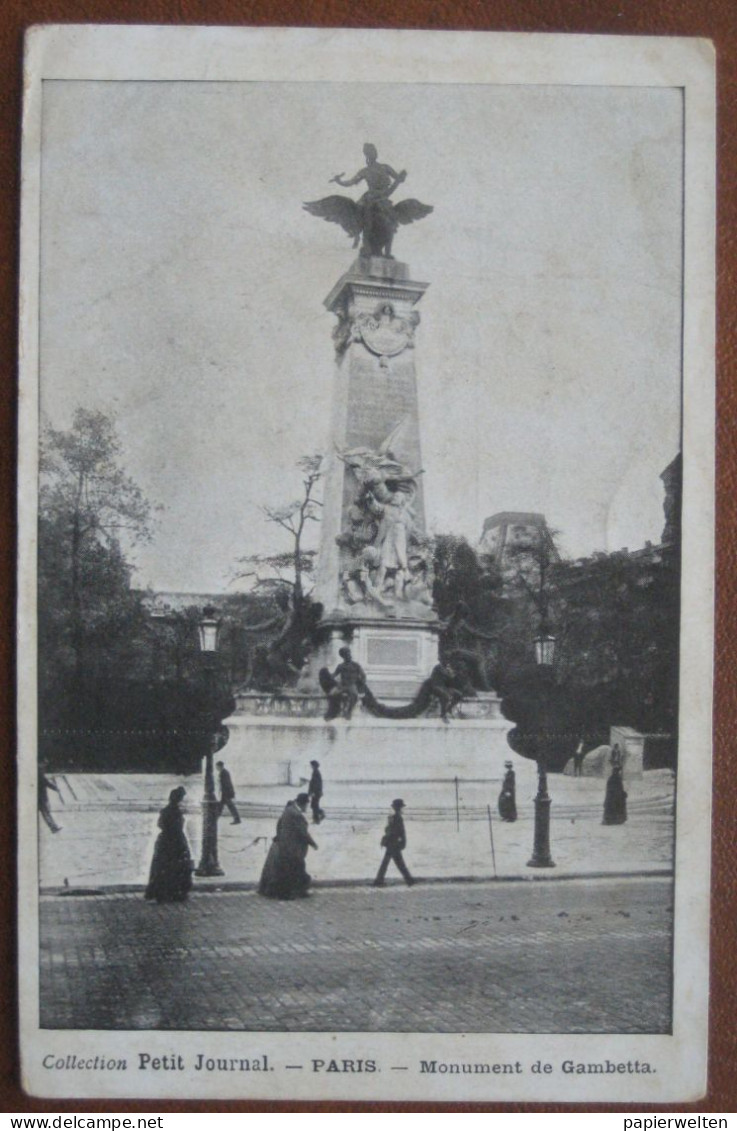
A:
[(544, 654), (208, 630)]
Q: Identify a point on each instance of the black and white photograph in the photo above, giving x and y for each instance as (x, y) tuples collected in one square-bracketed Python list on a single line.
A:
[(365, 578)]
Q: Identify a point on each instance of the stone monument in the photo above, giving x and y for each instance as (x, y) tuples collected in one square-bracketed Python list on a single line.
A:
[(374, 576), (375, 565)]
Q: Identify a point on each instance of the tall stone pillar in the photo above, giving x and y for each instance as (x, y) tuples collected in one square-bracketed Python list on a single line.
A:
[(374, 576)]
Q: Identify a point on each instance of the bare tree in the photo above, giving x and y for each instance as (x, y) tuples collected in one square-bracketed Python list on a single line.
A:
[(284, 575)]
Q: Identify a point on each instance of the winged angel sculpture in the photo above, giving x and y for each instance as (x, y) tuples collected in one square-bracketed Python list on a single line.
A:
[(374, 216)]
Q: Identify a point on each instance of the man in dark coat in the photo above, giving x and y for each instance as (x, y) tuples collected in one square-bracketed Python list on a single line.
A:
[(314, 792), (394, 841), (227, 794)]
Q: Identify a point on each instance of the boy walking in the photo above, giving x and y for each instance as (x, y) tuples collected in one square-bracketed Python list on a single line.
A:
[(394, 841)]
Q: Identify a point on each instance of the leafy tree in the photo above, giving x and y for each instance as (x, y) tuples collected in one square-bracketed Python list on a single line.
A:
[(544, 710), (92, 627), (615, 618), (89, 509), (467, 595), (620, 644)]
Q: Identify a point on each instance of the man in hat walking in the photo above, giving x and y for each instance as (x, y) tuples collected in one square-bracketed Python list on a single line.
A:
[(314, 792), (394, 841), (227, 794)]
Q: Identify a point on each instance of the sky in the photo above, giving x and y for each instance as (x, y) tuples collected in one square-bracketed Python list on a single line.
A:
[(182, 289)]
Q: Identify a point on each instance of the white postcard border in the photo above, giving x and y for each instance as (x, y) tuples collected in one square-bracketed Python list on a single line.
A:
[(304, 55)]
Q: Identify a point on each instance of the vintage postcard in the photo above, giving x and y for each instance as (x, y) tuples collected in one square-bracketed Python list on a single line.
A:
[(365, 622)]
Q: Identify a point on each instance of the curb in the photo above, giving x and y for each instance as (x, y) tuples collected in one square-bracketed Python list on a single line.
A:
[(425, 881)]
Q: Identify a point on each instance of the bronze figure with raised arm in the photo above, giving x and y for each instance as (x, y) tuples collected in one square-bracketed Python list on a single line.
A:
[(374, 216)]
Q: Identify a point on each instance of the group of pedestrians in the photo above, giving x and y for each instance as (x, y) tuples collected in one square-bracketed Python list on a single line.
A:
[(227, 793), (284, 875), (615, 797)]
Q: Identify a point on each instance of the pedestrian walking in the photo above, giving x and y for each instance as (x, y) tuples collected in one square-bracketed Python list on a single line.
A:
[(394, 842), (46, 783), (170, 879), (314, 792), (508, 796), (285, 874), (578, 758), (227, 794), (615, 758), (615, 799)]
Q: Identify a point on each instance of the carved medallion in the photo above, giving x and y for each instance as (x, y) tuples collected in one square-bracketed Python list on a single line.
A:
[(383, 332)]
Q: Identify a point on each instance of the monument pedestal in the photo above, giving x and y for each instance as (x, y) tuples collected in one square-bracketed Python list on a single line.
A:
[(396, 656), (273, 739)]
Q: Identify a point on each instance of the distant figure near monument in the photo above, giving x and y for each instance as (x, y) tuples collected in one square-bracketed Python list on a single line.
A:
[(373, 216), (508, 796), (314, 792), (227, 794), (615, 799)]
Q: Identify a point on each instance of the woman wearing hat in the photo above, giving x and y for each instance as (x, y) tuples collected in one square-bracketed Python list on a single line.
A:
[(170, 880), (394, 841), (507, 797)]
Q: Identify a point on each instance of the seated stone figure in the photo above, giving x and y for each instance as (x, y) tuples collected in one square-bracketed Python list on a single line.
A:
[(344, 686)]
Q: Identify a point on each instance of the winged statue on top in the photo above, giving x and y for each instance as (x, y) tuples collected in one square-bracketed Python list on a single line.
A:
[(374, 218)]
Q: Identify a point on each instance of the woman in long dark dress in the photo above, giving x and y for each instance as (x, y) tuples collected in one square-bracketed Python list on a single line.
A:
[(285, 875), (170, 880), (508, 796), (615, 799)]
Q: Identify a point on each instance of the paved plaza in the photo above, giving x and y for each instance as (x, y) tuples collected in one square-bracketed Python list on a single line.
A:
[(109, 829), (575, 957)]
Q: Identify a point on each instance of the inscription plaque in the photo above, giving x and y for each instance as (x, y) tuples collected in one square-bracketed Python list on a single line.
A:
[(386, 651)]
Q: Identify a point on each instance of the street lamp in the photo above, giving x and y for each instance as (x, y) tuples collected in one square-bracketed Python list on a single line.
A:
[(544, 648), (208, 630), (544, 654)]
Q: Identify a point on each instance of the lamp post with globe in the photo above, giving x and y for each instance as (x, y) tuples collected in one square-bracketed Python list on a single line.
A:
[(544, 655), (217, 704)]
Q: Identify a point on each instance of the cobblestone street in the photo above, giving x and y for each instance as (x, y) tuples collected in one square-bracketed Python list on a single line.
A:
[(529, 957)]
